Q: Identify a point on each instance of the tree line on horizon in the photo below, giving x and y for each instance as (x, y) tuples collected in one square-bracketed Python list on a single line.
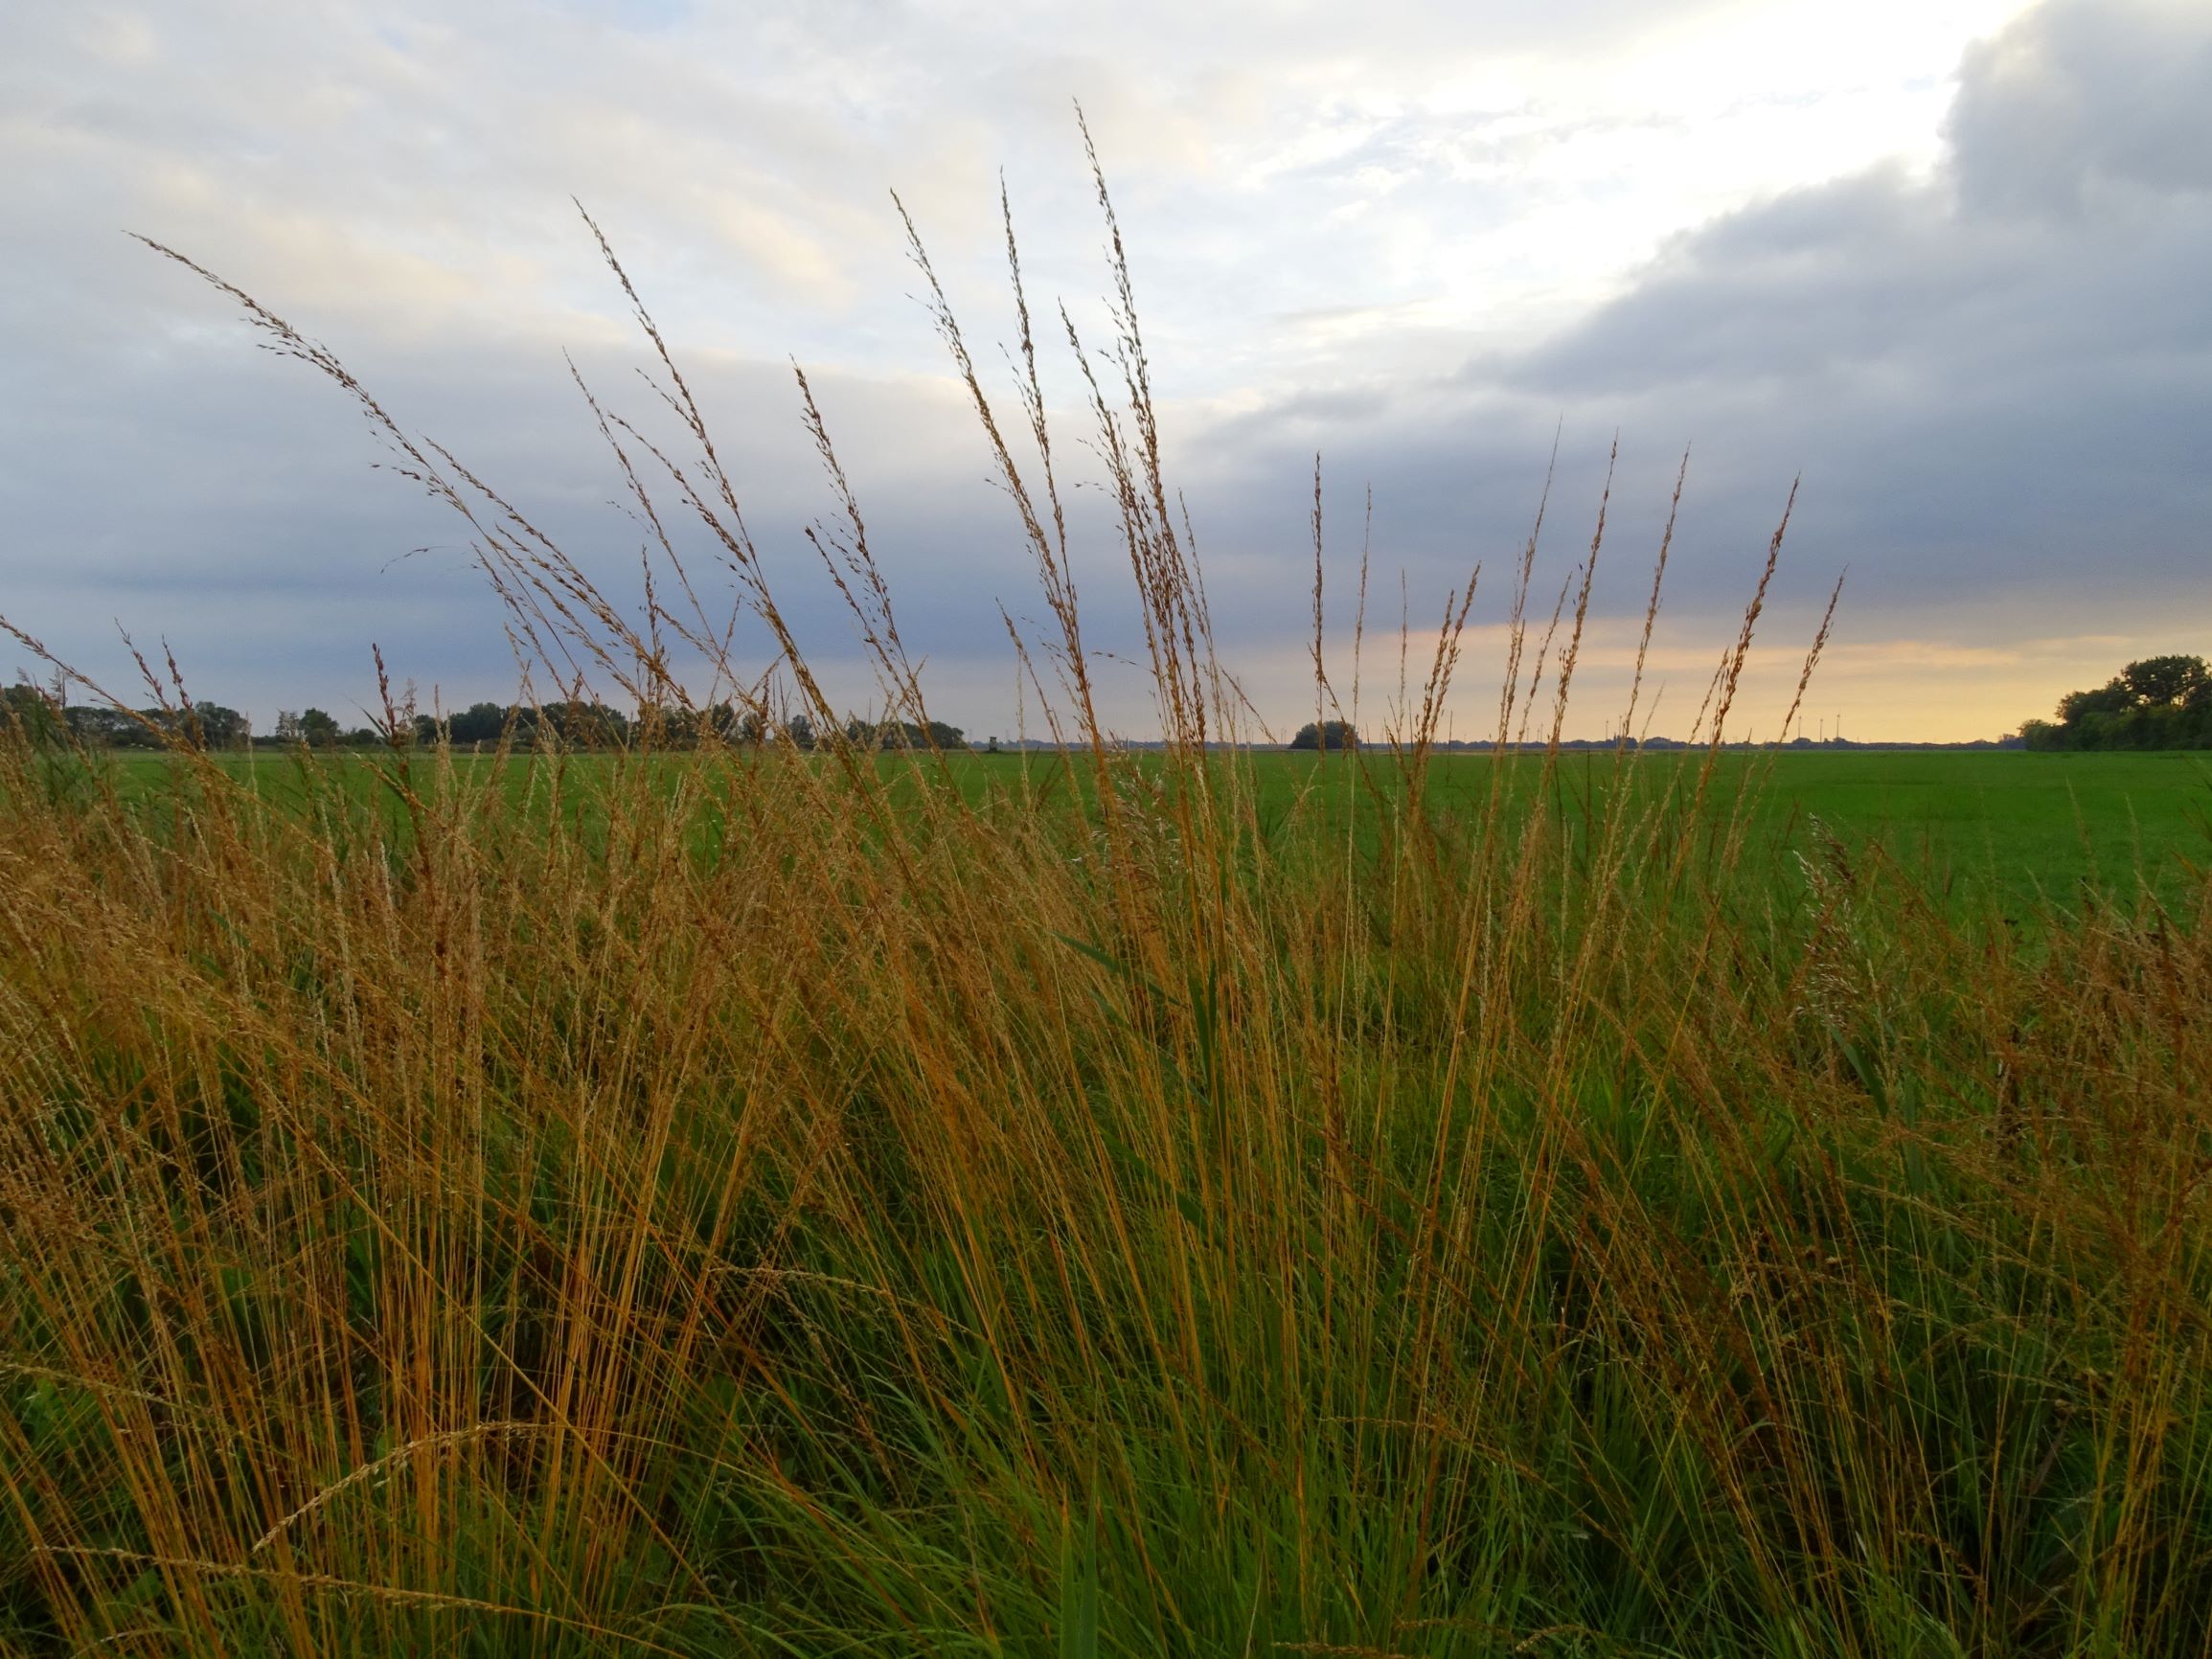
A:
[(573, 723), (2157, 703), (2161, 702)]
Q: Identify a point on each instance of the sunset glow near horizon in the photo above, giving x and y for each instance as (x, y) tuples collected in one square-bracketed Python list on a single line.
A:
[(1943, 261)]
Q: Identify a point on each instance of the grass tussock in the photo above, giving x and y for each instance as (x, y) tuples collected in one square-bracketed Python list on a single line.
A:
[(727, 1202)]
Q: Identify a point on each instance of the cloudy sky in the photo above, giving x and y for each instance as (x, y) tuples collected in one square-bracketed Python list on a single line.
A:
[(1945, 259)]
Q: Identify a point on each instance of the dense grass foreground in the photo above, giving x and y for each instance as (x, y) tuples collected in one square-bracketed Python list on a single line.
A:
[(562, 1242), (776, 1212)]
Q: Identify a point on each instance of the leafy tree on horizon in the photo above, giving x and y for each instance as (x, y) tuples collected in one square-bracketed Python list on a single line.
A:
[(2167, 682), (32, 709), (891, 734), (478, 723), (1329, 735), (2156, 703), (217, 727)]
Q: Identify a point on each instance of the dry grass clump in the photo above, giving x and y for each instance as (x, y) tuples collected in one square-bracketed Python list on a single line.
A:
[(721, 1202)]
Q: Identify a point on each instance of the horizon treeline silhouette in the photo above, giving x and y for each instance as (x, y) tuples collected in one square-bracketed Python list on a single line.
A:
[(2156, 703), (573, 722)]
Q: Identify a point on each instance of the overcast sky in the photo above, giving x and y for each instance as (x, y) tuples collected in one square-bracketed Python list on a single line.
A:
[(1946, 258)]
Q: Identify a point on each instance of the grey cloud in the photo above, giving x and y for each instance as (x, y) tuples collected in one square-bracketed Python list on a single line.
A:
[(1997, 414), (2085, 96), (236, 516), (1923, 277)]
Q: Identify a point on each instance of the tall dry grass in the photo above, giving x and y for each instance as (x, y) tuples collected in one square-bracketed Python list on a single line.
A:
[(712, 1203)]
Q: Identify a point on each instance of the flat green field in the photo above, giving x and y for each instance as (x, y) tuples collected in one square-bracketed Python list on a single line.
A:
[(2013, 830), (2013, 827)]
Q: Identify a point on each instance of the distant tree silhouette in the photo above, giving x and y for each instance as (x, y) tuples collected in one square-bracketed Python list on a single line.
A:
[(2167, 682), (478, 723), (1328, 734), (902, 734), (213, 726), (570, 723), (2157, 703), (31, 711), (2113, 697)]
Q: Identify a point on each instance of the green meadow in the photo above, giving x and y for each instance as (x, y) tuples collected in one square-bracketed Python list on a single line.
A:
[(2009, 831)]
